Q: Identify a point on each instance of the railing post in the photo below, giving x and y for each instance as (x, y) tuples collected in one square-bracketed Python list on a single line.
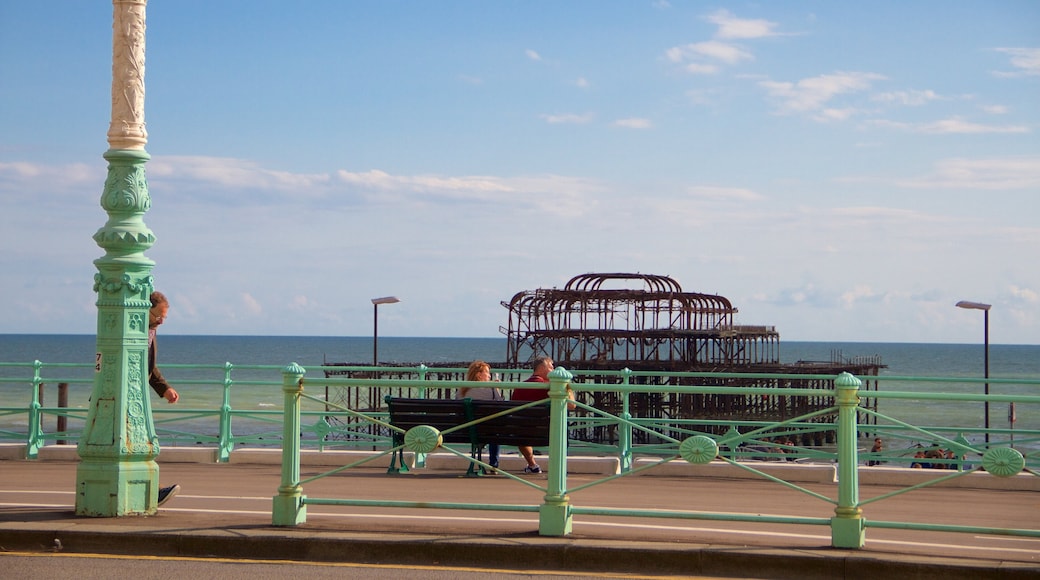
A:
[(225, 445), (625, 429), (289, 509), (847, 525), (424, 393), (554, 516), (34, 440)]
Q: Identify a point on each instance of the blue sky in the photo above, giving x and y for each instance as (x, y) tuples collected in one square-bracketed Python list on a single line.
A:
[(845, 171)]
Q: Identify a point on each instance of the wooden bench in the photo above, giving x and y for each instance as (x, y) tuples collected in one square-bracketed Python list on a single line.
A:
[(499, 422)]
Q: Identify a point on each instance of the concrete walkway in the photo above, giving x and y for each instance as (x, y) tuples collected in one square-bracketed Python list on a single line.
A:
[(224, 510)]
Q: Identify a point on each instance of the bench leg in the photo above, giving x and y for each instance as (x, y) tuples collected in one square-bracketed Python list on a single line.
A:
[(474, 469), (398, 459)]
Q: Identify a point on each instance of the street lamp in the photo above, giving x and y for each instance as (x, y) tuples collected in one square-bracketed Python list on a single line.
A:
[(375, 324), (985, 309)]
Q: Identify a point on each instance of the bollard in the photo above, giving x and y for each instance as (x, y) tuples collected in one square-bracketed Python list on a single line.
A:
[(34, 440), (289, 509), (625, 428), (63, 403), (225, 445), (847, 525), (554, 516)]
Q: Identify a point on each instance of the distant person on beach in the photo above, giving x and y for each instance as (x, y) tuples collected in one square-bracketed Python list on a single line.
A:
[(156, 316), (480, 371), (878, 446)]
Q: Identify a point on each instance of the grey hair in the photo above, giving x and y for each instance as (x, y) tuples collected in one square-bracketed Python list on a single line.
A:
[(539, 361)]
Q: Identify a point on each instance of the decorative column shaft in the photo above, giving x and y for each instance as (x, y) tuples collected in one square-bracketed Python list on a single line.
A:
[(554, 515), (288, 508), (847, 525), (118, 474)]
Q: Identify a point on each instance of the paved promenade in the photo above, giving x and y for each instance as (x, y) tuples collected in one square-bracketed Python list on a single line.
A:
[(224, 510)]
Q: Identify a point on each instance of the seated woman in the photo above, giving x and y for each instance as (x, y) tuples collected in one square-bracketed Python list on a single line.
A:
[(480, 371)]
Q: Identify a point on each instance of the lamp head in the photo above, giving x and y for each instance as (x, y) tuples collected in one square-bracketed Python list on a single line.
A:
[(973, 305)]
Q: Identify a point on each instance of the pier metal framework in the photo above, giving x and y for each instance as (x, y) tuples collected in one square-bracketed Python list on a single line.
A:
[(635, 321), (646, 322), (615, 321)]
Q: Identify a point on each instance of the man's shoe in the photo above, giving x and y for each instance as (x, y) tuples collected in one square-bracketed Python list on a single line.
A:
[(167, 493), (532, 469)]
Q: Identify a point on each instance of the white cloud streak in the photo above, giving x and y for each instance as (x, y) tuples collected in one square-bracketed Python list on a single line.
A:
[(732, 27), (812, 94), (1025, 60), (1014, 173), (568, 118), (634, 123)]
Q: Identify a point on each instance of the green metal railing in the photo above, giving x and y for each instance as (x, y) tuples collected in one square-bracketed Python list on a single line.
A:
[(556, 513), (293, 420)]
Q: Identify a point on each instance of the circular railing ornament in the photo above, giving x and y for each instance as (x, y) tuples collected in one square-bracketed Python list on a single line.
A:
[(698, 449), (422, 439), (1003, 461)]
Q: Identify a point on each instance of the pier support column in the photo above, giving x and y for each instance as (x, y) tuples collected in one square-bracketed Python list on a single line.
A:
[(847, 525), (118, 475)]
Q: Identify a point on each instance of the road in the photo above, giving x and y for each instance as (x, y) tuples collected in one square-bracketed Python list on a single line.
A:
[(21, 566)]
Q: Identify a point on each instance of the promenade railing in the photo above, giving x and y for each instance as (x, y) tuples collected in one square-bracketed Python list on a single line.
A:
[(229, 407), (695, 442)]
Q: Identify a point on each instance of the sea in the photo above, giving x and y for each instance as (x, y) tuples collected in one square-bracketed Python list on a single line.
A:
[(274, 352)]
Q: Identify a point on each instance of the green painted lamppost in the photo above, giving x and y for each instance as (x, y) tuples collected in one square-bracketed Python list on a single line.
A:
[(985, 309), (117, 474)]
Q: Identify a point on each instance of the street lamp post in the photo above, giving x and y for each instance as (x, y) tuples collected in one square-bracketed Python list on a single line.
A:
[(375, 324), (985, 309)]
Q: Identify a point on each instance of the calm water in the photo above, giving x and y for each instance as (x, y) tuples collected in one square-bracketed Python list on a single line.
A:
[(202, 389)]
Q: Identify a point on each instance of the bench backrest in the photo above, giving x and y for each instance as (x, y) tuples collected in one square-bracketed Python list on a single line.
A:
[(525, 427), (441, 414)]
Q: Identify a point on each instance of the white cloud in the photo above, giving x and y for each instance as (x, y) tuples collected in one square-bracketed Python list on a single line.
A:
[(697, 68), (911, 98), (813, 93), (860, 293), (835, 114), (568, 118), (958, 125), (985, 174), (533, 55), (732, 27), (251, 304), (951, 126), (582, 82), (1025, 294), (634, 123), (230, 173), (702, 57), (725, 52), (707, 192), (74, 178), (995, 109), (1025, 60)]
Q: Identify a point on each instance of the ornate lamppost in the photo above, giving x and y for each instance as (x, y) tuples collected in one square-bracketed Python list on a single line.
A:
[(117, 474)]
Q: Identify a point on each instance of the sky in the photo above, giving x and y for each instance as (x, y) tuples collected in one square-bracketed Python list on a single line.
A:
[(843, 171)]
